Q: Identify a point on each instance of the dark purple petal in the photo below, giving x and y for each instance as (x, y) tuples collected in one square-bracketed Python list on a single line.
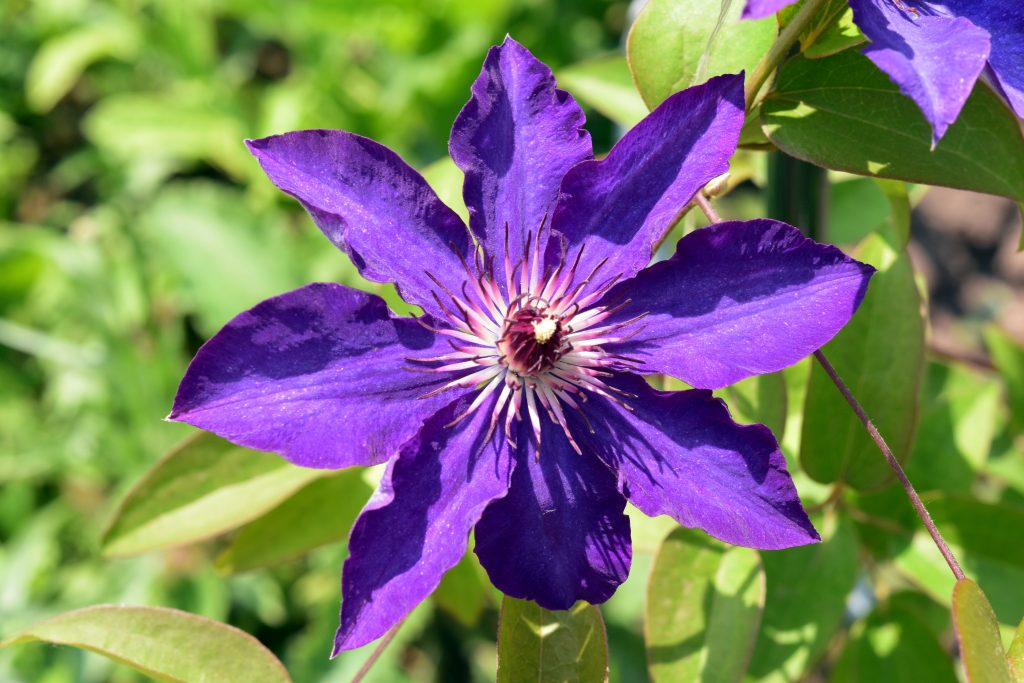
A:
[(373, 206), (622, 205), (560, 534), (933, 58), (1004, 22), (315, 375), (739, 299), (515, 139), (758, 9), (680, 454), (416, 526)]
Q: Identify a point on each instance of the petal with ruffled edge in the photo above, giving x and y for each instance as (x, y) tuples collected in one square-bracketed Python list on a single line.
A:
[(680, 454), (738, 298), (560, 535), (1004, 22), (758, 9), (373, 206), (515, 139), (620, 206), (416, 526), (316, 375), (933, 58)]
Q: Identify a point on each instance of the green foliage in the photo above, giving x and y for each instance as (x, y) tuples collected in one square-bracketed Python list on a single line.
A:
[(841, 112), (674, 44), (539, 645), (167, 644), (704, 607), (978, 635)]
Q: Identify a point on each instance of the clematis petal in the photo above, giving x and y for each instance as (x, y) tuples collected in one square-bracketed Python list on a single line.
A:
[(315, 375), (416, 526), (1004, 22), (758, 9), (371, 205), (738, 299), (622, 205), (933, 58), (515, 139), (560, 534), (680, 454)]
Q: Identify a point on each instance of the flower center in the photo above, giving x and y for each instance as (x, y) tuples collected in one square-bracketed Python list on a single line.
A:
[(539, 344)]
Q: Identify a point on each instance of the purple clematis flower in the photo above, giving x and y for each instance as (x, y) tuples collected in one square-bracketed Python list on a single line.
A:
[(514, 406), (935, 51)]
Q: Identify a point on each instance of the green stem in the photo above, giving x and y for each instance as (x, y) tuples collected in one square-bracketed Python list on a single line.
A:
[(779, 49)]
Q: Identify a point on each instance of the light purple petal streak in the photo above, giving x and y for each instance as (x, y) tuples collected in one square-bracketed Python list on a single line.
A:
[(315, 375), (515, 139), (416, 526), (623, 204), (560, 535), (758, 9), (935, 59), (739, 299), (371, 205), (680, 454)]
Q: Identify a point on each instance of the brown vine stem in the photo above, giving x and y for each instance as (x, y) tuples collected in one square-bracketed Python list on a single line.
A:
[(915, 499), (377, 652), (705, 205)]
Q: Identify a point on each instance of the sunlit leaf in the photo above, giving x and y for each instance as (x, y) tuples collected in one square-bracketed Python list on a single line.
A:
[(678, 43), (704, 605), (321, 512), (606, 85), (841, 112), (535, 644), (1008, 357), (978, 634), (1015, 655), (759, 399), (462, 592), (167, 644), (202, 488), (880, 356), (829, 31)]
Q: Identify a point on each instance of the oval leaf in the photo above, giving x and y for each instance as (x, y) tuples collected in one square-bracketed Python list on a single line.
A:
[(201, 488), (978, 634), (807, 589), (759, 399), (322, 512), (704, 603), (1015, 657), (535, 644), (606, 85), (841, 112), (678, 43), (880, 356), (167, 644)]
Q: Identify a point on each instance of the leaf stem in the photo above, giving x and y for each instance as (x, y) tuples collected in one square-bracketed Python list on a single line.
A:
[(915, 499), (779, 49), (705, 205), (377, 652)]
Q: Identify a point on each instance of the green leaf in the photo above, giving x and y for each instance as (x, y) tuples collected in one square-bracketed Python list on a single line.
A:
[(1015, 656), (985, 538), (462, 593), (59, 63), (841, 112), (535, 644), (880, 356), (978, 634), (829, 31), (201, 488), (446, 180), (807, 589), (322, 512), (860, 206), (166, 644), (896, 646), (759, 399), (704, 603), (605, 84), (1008, 357), (674, 44)]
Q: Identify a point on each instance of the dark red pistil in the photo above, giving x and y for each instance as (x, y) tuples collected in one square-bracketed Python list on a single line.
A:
[(532, 341)]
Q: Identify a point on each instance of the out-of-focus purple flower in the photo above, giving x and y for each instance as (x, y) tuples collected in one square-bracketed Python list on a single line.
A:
[(935, 51), (514, 404)]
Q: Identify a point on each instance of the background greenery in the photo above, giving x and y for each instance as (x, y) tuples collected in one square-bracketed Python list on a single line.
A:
[(133, 224)]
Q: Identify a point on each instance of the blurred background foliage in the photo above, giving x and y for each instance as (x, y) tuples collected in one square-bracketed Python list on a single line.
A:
[(133, 224)]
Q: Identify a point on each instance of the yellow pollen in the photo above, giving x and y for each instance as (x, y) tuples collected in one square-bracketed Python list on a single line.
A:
[(544, 329)]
